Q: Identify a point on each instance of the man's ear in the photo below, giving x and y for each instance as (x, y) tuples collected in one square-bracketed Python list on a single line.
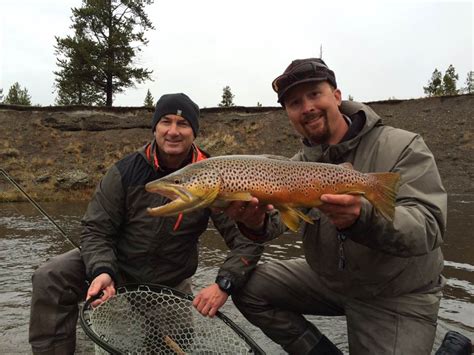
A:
[(338, 95)]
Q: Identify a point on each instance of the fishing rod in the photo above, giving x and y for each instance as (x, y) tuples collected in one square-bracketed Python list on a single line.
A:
[(38, 207)]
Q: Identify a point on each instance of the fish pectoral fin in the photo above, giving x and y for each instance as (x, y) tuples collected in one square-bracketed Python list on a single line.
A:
[(236, 196), (304, 217), (291, 217)]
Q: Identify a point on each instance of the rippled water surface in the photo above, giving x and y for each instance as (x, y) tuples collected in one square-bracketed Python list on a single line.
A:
[(27, 239)]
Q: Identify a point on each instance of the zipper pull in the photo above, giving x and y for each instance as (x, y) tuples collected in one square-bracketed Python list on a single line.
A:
[(342, 259)]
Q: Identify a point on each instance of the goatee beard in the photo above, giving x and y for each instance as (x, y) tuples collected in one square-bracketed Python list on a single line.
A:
[(322, 137)]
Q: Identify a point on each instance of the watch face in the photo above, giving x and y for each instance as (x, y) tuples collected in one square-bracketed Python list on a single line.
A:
[(224, 283)]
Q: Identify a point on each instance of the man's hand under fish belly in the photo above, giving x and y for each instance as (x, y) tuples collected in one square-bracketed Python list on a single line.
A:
[(249, 213), (342, 210)]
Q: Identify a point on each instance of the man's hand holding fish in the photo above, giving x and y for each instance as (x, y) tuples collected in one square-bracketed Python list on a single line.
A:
[(252, 214), (342, 210)]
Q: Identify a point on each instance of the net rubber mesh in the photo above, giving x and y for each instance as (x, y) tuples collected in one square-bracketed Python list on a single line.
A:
[(148, 321)]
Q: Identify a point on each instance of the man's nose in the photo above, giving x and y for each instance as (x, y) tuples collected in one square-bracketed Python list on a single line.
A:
[(307, 105), (173, 130)]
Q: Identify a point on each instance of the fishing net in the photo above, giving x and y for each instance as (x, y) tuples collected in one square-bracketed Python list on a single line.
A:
[(153, 319)]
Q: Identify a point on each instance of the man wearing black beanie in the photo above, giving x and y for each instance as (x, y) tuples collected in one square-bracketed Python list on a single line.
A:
[(121, 243), (180, 105), (175, 125)]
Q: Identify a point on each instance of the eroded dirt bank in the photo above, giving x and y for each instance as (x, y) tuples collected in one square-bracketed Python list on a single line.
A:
[(60, 153)]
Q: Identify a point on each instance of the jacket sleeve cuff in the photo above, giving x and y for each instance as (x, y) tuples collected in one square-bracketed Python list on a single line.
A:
[(254, 235), (359, 229), (104, 270)]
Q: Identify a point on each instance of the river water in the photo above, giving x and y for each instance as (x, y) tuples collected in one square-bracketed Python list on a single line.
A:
[(27, 239)]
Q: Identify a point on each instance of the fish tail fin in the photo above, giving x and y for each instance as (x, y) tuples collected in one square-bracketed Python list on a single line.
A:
[(291, 217), (383, 196)]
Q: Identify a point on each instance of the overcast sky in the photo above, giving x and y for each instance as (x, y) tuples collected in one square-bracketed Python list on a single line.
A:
[(378, 49)]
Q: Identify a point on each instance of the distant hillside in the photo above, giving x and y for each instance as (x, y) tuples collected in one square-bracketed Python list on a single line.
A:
[(61, 152)]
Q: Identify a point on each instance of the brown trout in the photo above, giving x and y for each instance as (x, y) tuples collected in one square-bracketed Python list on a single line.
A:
[(284, 183)]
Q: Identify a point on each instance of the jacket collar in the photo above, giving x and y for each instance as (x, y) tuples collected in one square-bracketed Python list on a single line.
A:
[(149, 152)]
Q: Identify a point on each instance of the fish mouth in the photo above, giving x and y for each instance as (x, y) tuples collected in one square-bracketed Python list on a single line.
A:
[(181, 199), (171, 191)]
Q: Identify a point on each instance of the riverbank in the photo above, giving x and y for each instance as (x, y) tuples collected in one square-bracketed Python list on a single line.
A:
[(60, 153)]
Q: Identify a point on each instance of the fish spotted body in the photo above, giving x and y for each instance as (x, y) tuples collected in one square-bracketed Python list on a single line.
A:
[(286, 184)]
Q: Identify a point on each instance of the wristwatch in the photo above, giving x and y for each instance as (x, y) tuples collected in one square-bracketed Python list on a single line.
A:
[(224, 284)]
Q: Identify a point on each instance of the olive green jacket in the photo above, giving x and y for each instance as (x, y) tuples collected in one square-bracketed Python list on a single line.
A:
[(120, 238), (381, 257)]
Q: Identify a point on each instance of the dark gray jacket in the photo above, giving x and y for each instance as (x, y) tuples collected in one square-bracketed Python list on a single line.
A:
[(120, 238)]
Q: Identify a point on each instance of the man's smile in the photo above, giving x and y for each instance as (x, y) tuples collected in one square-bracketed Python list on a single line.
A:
[(313, 118)]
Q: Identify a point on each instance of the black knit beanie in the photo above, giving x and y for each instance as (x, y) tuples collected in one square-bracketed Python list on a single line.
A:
[(180, 105)]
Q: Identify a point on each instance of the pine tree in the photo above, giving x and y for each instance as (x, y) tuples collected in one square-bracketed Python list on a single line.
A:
[(1, 96), (18, 96), (74, 81), (149, 100), (434, 87), (449, 81), (98, 60), (469, 88), (227, 98)]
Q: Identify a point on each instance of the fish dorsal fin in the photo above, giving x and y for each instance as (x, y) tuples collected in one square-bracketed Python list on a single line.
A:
[(274, 157), (346, 165), (235, 196), (291, 217)]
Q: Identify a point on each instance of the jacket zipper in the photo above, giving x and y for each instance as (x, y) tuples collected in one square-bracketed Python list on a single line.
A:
[(342, 259)]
